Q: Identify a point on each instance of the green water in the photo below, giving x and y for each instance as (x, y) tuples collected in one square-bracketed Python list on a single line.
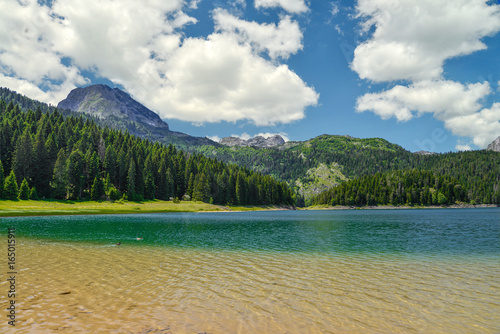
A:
[(361, 271), (438, 232)]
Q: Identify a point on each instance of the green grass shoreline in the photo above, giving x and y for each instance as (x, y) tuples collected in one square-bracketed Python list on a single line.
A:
[(55, 208)]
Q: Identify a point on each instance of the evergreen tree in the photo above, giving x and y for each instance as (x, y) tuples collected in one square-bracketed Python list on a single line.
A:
[(23, 155), (59, 182), (2, 179), (97, 190), (24, 191), (75, 174), (11, 190), (131, 181), (34, 194)]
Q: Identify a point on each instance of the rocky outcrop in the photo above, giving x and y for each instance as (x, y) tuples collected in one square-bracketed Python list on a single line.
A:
[(257, 141), (116, 109), (105, 102), (425, 153), (494, 146)]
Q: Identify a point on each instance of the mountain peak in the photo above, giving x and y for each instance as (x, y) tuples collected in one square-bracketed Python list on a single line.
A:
[(495, 145), (257, 141), (106, 102)]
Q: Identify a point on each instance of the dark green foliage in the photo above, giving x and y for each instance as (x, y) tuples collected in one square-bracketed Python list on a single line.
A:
[(2, 179), (34, 194), (24, 190), (11, 190), (76, 175), (97, 190), (411, 187), (59, 182), (476, 171), (79, 153)]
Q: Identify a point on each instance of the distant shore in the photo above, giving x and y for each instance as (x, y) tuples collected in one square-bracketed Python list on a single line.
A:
[(57, 208), (397, 207)]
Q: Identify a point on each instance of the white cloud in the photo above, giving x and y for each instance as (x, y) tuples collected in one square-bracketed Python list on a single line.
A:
[(140, 45), (27, 59), (334, 8), (458, 106), (483, 126), (413, 38), (214, 138), (463, 147), (280, 40), (411, 41), (220, 79), (292, 6), (445, 99)]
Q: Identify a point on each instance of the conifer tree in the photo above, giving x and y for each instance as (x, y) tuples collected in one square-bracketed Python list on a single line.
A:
[(59, 182), (97, 190), (11, 190), (24, 191), (2, 179)]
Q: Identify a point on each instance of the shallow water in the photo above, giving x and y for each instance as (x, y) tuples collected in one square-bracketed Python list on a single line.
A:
[(415, 271)]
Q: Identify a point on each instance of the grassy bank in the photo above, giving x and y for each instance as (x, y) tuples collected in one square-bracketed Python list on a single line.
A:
[(49, 208), (393, 207)]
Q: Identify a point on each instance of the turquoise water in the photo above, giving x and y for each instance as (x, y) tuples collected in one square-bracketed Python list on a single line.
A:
[(438, 232), (354, 271)]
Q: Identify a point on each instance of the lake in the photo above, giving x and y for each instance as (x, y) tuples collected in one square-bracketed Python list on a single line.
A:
[(369, 271)]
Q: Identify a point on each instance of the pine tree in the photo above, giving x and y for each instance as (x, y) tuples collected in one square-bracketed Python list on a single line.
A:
[(75, 174), (11, 191), (34, 194), (131, 181), (59, 182), (97, 190), (23, 155), (2, 179), (24, 191)]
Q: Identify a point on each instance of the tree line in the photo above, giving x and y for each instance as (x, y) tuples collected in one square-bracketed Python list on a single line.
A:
[(411, 187), (69, 157)]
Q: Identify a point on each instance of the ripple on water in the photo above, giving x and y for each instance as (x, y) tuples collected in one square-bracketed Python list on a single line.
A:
[(92, 289)]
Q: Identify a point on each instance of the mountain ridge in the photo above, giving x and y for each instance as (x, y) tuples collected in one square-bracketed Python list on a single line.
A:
[(118, 110)]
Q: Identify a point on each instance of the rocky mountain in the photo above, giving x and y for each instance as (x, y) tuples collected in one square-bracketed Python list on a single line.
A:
[(495, 145), (258, 141), (116, 109)]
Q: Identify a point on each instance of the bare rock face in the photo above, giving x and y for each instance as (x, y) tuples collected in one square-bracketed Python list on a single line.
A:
[(105, 102), (257, 141), (425, 153), (494, 146)]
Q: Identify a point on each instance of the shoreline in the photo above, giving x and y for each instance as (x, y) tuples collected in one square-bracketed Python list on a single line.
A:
[(30, 208), (401, 207), (71, 208)]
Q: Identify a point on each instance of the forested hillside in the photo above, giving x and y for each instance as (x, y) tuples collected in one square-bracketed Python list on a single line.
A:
[(352, 158), (308, 167), (412, 187), (52, 156)]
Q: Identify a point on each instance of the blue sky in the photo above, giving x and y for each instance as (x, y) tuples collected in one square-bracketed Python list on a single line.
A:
[(423, 74)]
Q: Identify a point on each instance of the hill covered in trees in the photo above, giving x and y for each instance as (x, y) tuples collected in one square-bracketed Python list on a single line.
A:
[(49, 155), (308, 167)]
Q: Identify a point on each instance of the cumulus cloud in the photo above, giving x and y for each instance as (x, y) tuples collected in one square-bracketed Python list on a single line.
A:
[(27, 59), (458, 106), (141, 46), (220, 79), (411, 40), (292, 6), (445, 99), (280, 40)]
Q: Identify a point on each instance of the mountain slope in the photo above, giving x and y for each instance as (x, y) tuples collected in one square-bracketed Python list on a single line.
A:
[(118, 110), (495, 145)]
